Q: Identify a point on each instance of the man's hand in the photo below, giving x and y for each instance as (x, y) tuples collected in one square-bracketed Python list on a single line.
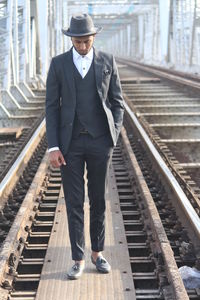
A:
[(56, 158)]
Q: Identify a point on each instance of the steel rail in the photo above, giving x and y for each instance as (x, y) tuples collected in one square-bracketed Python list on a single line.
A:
[(162, 73), (185, 203), (12, 176), (174, 278)]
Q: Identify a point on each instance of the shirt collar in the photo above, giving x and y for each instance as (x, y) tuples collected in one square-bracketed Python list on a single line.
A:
[(89, 55)]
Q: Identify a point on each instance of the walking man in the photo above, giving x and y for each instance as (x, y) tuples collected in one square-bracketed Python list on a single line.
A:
[(84, 114)]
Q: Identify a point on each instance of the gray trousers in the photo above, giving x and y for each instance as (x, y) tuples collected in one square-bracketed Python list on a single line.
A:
[(95, 153)]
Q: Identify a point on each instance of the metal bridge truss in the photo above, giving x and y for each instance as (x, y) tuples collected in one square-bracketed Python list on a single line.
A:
[(21, 63), (152, 31), (165, 33)]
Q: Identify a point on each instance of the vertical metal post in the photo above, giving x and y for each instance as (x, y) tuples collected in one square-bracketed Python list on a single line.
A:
[(28, 30), (37, 51), (141, 35), (176, 35), (193, 34), (15, 44), (128, 28), (43, 26), (7, 59), (25, 41), (116, 43), (182, 31), (120, 41), (135, 43), (33, 49), (170, 34), (65, 24)]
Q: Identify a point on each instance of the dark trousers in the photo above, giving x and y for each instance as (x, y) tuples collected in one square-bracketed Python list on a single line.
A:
[(95, 153)]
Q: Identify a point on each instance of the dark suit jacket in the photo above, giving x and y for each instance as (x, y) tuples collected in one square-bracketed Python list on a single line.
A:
[(61, 97)]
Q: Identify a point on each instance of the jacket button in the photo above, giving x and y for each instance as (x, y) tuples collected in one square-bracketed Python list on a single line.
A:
[(70, 124)]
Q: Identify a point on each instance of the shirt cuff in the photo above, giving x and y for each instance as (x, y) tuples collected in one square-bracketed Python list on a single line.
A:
[(53, 149)]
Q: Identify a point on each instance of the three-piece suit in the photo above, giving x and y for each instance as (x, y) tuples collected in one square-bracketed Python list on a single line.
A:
[(83, 118)]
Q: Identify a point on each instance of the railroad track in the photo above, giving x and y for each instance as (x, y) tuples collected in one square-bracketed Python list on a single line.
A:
[(170, 114), (191, 80), (160, 234), (149, 249), (18, 123)]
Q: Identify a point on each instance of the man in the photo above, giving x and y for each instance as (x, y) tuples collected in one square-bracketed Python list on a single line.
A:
[(84, 114)]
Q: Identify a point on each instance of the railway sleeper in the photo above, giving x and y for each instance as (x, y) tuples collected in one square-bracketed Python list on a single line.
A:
[(24, 272), (174, 229)]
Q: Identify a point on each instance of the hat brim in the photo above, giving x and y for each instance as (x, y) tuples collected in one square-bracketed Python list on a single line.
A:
[(68, 33)]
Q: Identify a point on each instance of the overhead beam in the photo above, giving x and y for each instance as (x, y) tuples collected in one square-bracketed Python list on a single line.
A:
[(116, 2), (111, 16), (83, 2)]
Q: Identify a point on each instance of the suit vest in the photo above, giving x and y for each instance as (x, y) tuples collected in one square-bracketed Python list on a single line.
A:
[(89, 113)]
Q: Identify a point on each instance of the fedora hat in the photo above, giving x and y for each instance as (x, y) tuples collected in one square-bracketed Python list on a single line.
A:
[(81, 25)]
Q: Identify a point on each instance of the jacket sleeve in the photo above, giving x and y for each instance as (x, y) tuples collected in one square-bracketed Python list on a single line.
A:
[(116, 99), (52, 106)]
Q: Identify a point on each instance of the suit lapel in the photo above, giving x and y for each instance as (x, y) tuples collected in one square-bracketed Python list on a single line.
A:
[(69, 72), (98, 68)]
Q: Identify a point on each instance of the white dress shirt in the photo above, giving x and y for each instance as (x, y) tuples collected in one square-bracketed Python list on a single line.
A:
[(82, 63)]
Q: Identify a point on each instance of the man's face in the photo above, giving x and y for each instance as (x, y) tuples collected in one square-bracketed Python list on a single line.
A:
[(83, 44)]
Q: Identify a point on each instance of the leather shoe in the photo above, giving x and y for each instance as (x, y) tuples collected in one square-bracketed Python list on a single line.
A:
[(76, 271), (101, 264)]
